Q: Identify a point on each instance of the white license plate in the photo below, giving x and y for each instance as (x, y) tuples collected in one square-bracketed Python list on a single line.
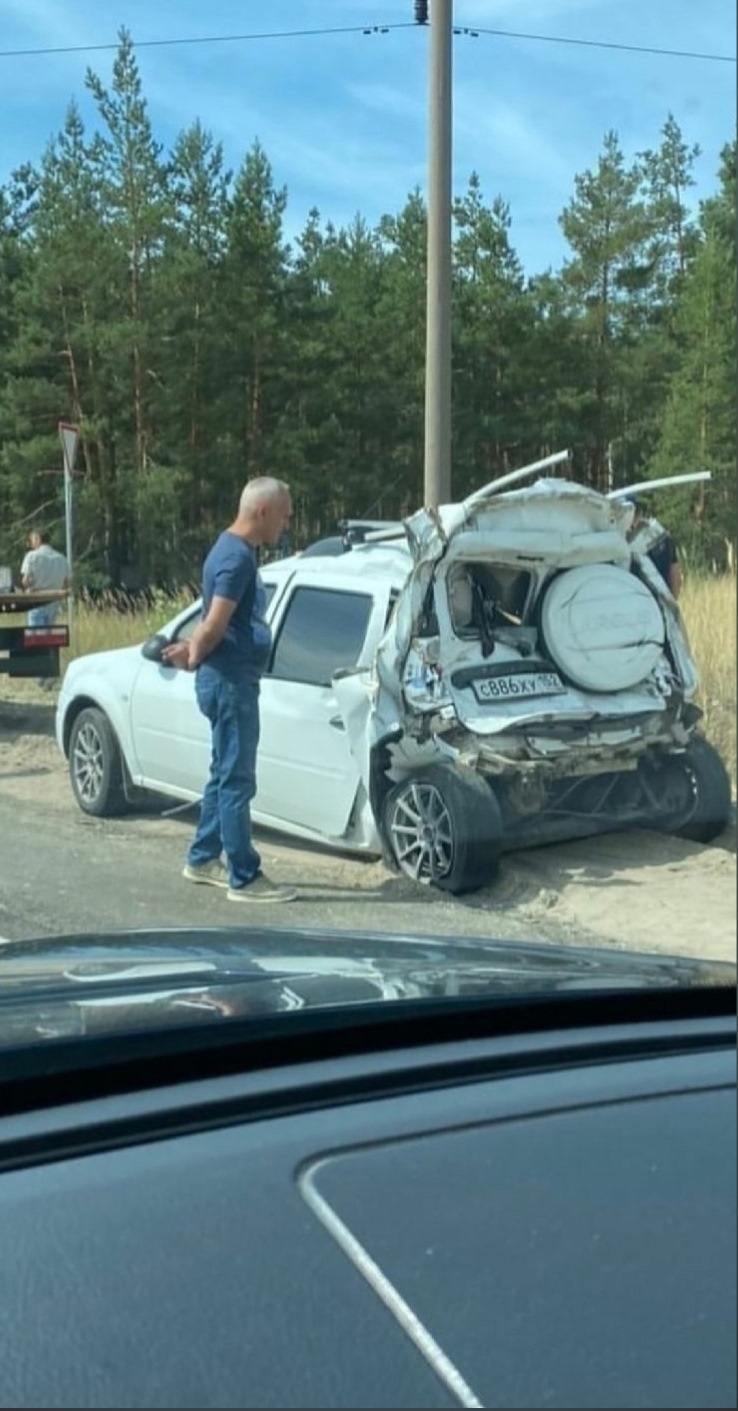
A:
[(519, 687)]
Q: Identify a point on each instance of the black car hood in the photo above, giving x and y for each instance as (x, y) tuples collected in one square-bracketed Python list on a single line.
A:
[(58, 987)]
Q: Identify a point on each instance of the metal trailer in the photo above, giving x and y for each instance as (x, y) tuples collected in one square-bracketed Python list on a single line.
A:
[(30, 651)]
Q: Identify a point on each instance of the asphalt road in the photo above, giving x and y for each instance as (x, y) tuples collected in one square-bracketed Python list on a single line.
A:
[(62, 872)]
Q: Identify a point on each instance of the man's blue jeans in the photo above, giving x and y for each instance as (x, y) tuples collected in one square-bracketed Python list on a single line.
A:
[(225, 821), (45, 616)]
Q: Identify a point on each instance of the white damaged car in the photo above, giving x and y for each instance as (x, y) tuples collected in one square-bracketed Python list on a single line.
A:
[(507, 671)]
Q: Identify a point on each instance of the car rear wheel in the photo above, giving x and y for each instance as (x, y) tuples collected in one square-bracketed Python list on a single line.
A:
[(96, 765), (691, 792), (444, 828)]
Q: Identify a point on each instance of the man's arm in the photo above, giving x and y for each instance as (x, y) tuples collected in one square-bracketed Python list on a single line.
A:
[(205, 637), (676, 578), (26, 574), (211, 630)]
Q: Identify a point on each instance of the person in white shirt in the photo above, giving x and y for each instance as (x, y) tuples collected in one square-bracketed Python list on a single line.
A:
[(43, 570)]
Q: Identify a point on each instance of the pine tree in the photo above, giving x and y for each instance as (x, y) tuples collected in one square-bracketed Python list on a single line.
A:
[(13, 259), (153, 300), (59, 362), (698, 430), (606, 225), (492, 321), (132, 180), (402, 314), (252, 299), (186, 395), (668, 177)]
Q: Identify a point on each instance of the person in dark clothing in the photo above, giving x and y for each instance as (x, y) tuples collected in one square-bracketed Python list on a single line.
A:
[(658, 544), (229, 651)]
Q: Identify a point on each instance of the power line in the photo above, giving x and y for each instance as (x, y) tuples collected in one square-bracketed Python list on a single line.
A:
[(207, 39), (472, 32), (602, 44)]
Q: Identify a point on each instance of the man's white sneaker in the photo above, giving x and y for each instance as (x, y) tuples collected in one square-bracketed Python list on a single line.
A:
[(212, 874), (261, 890)]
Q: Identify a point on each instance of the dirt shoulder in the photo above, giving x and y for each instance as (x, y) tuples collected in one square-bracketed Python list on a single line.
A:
[(61, 871)]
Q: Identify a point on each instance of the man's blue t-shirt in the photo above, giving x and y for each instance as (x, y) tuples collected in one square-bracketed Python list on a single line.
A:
[(230, 571)]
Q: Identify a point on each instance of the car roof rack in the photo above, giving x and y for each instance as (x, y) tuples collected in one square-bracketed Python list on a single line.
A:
[(368, 524), (512, 477), (386, 531), (370, 531), (643, 486), (386, 536)]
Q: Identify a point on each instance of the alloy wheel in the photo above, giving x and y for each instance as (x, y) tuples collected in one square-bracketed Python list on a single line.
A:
[(88, 763), (421, 832)]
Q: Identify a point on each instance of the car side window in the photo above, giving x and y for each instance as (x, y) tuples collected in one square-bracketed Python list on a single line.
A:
[(186, 629), (322, 631)]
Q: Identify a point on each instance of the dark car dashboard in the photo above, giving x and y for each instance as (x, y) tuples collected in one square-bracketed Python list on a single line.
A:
[(540, 1217)]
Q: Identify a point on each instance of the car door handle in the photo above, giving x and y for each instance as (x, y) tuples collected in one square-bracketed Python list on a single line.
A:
[(337, 722)]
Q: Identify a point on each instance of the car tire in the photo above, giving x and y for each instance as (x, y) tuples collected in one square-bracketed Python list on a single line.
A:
[(96, 768), (696, 787), (443, 826)]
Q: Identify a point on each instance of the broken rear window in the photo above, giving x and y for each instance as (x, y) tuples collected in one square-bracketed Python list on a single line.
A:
[(484, 596)]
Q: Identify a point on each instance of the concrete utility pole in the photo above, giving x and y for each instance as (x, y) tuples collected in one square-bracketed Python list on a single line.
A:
[(437, 480)]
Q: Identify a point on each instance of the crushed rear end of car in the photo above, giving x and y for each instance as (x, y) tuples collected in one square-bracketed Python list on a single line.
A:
[(535, 683)]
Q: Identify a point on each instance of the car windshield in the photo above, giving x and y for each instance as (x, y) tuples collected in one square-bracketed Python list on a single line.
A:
[(367, 503)]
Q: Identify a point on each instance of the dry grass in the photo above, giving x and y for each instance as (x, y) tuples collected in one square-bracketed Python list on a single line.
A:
[(94, 630), (100, 629), (709, 607)]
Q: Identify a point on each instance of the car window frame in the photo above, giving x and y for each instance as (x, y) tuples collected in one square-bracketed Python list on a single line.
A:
[(376, 590), (184, 622), (273, 592)]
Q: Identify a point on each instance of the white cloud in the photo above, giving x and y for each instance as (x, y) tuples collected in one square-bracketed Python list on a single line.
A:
[(508, 140), (389, 101)]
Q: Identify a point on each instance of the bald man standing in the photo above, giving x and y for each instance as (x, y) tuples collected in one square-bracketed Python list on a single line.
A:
[(229, 651)]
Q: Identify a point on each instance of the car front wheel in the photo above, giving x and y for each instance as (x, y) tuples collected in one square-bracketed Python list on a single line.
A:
[(96, 765), (444, 828)]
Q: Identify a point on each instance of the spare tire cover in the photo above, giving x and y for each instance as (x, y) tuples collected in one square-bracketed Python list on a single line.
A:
[(602, 627)]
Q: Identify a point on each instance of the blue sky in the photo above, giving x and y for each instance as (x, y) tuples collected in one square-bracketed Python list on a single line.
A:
[(343, 117)]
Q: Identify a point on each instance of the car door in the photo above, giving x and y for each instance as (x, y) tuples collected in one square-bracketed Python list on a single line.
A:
[(171, 738), (307, 777)]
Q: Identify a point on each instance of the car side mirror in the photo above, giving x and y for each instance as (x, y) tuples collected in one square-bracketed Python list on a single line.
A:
[(153, 648)]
